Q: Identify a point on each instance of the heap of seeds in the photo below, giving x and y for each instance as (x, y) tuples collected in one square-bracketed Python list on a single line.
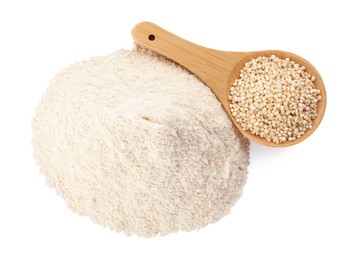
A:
[(274, 99)]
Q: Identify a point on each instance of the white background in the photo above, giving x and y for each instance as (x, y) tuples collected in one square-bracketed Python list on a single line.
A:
[(297, 202)]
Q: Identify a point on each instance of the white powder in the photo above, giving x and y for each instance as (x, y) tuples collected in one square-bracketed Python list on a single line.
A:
[(139, 145)]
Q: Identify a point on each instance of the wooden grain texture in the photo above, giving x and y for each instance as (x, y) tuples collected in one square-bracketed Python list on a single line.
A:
[(219, 69)]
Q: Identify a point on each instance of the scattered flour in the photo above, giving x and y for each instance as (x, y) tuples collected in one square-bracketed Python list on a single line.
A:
[(139, 145)]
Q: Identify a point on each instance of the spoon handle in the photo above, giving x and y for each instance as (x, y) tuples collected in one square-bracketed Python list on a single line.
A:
[(213, 67)]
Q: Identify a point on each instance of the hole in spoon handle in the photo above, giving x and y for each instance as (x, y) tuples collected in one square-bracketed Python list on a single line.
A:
[(151, 37)]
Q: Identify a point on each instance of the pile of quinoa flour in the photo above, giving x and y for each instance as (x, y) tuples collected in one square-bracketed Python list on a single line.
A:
[(138, 144)]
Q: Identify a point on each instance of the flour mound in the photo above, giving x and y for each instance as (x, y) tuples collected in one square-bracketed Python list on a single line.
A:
[(139, 145)]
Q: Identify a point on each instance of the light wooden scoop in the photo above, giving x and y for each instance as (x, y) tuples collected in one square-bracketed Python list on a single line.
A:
[(219, 69)]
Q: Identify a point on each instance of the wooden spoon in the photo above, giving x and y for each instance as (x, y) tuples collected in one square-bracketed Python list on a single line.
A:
[(219, 69)]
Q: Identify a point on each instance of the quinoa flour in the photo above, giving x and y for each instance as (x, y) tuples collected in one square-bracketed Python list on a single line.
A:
[(139, 145)]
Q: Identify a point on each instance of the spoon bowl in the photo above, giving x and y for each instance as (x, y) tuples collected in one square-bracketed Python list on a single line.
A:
[(219, 69)]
